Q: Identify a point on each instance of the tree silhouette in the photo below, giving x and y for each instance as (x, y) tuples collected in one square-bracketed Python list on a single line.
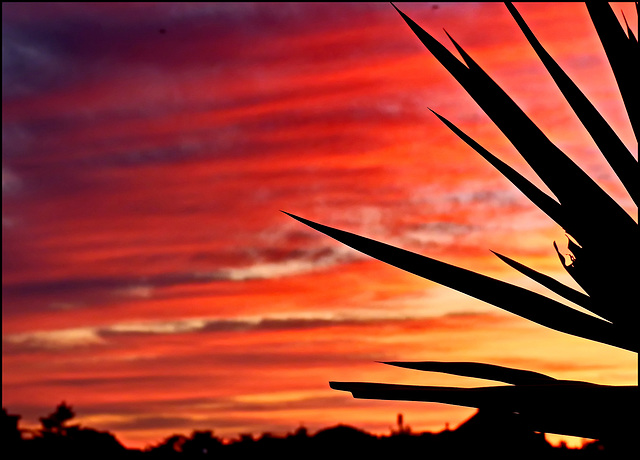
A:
[(55, 421), (591, 219), (58, 438)]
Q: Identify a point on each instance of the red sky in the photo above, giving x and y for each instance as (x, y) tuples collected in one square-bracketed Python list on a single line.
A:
[(148, 277)]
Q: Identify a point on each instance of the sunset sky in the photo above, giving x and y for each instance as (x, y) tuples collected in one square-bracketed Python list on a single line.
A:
[(149, 278)]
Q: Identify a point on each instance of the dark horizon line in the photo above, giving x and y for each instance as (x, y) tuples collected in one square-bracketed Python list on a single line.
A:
[(487, 424)]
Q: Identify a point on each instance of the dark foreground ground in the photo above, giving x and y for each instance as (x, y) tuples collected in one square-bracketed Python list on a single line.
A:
[(485, 435)]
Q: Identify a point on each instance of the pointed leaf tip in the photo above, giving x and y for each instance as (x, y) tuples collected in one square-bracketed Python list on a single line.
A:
[(554, 285), (517, 300), (398, 10), (547, 204), (479, 370)]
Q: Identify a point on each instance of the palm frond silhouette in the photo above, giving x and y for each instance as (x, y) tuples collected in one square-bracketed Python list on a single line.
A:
[(591, 218)]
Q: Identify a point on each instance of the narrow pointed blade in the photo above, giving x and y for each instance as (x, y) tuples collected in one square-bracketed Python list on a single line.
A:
[(622, 57), (543, 201), (529, 305), (554, 285), (480, 371), (619, 157)]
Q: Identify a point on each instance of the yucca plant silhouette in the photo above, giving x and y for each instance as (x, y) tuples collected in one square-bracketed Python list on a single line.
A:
[(589, 216)]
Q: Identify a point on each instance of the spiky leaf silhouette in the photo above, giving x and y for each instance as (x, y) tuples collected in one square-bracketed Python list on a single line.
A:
[(619, 157), (591, 218), (622, 52), (547, 204), (528, 304), (480, 371), (550, 283)]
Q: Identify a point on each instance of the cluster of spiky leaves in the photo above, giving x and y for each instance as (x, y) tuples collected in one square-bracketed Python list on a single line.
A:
[(589, 216)]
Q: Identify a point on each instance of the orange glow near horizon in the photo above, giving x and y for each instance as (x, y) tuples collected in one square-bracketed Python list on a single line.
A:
[(149, 279)]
